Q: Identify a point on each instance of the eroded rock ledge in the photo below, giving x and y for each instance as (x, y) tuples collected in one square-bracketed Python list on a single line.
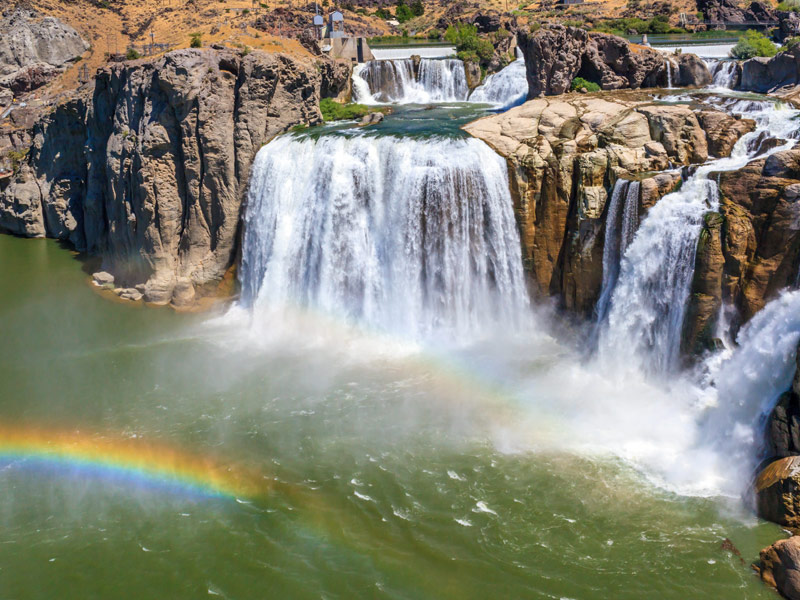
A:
[(150, 168), (564, 156)]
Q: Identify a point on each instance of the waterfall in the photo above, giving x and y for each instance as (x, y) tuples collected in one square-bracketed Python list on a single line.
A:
[(506, 88), (406, 235), (394, 81), (669, 74), (723, 73), (646, 311), (622, 221)]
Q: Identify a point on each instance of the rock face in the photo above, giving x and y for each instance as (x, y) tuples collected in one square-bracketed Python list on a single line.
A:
[(729, 11), (767, 74), (564, 156), (783, 425), (151, 170), (778, 492), (554, 56), (33, 49), (780, 567)]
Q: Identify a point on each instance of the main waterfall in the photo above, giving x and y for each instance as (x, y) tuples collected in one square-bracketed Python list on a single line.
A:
[(407, 235)]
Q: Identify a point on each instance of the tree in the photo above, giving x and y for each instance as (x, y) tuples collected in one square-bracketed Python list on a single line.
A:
[(196, 42), (469, 45), (417, 8), (403, 13)]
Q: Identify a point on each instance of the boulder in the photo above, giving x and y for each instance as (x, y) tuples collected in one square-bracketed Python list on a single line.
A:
[(780, 567), (41, 46), (783, 424), (777, 490), (788, 25), (474, 75), (692, 71), (372, 118), (764, 75), (103, 278)]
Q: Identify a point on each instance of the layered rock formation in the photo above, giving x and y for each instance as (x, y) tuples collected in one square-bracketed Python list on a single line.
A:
[(150, 171), (556, 55), (748, 251), (765, 75), (34, 49), (564, 156), (729, 11)]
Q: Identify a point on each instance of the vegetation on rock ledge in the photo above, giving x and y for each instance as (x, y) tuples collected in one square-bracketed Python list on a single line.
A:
[(753, 43)]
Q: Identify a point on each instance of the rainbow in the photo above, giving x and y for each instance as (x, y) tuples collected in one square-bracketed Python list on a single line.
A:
[(125, 459)]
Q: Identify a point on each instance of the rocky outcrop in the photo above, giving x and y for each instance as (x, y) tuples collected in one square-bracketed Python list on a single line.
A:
[(150, 170), (780, 567), (783, 425), (762, 232), (723, 130), (556, 55), (765, 75), (692, 71), (729, 11), (34, 49), (564, 156), (788, 25), (777, 491)]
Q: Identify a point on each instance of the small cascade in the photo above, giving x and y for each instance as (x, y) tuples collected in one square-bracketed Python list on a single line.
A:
[(723, 73), (395, 81), (646, 311), (622, 221), (506, 88), (669, 74), (405, 235)]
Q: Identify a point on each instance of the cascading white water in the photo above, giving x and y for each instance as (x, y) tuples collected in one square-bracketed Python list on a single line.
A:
[(405, 235), (394, 81), (669, 74), (723, 73), (506, 88), (622, 221), (647, 307)]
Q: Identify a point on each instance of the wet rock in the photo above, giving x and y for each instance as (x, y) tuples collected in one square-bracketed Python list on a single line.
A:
[(777, 490), (103, 278), (372, 118), (764, 75), (780, 567), (183, 294), (129, 294), (723, 131), (678, 130), (473, 73)]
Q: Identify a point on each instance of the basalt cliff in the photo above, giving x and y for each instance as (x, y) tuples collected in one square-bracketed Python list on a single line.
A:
[(148, 167)]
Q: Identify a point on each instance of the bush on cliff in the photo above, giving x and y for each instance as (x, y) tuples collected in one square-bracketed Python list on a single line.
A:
[(469, 46), (333, 111), (753, 43), (579, 83)]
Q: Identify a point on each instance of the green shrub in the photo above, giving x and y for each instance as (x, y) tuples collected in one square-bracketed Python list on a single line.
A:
[(417, 8), (579, 83), (790, 5), (196, 41), (403, 12), (333, 111), (132, 54), (16, 157), (753, 43), (383, 14), (466, 40), (434, 34)]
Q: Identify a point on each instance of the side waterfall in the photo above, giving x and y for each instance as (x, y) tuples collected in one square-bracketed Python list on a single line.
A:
[(401, 234), (394, 81), (504, 89), (723, 72), (647, 307), (621, 224)]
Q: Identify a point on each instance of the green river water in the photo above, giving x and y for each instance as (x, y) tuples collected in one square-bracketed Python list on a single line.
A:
[(391, 483)]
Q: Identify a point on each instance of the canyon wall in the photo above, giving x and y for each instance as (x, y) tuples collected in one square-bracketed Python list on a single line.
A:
[(149, 168)]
